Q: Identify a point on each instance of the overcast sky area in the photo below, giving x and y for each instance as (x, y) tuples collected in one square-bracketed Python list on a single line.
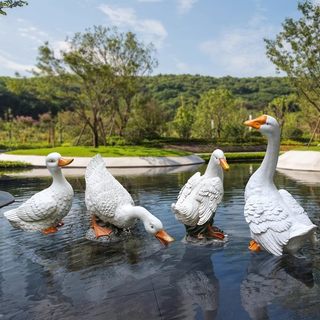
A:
[(207, 37)]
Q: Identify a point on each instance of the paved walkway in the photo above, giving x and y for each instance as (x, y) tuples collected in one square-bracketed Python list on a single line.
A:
[(300, 160), (120, 162)]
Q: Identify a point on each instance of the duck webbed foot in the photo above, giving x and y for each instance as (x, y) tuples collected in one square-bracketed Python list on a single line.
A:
[(50, 230), (254, 246), (205, 233), (98, 229)]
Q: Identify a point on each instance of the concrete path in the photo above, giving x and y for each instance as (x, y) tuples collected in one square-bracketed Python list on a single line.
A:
[(300, 160), (120, 162)]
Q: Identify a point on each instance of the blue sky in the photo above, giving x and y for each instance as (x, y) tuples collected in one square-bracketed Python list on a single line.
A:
[(208, 37)]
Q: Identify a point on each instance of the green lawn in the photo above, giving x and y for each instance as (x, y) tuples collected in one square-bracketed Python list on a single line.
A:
[(237, 156), (312, 148), (109, 151), (14, 164)]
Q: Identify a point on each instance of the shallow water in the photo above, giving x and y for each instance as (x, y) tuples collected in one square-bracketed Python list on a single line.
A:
[(64, 276)]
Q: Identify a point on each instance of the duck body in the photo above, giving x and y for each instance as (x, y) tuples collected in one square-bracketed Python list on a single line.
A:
[(47, 208), (199, 198), (106, 198), (277, 222), (109, 201)]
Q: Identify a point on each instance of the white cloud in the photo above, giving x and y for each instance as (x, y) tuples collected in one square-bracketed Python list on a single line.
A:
[(33, 33), (151, 1), (150, 30), (10, 64), (185, 6), (241, 51), (59, 46)]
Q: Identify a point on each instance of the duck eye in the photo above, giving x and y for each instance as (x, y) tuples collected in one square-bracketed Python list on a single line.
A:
[(151, 226)]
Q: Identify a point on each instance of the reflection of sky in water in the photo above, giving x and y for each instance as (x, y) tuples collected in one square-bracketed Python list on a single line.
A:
[(63, 276)]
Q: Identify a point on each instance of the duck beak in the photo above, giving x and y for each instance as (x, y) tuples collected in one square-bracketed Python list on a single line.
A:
[(163, 237), (64, 162), (224, 164), (257, 122)]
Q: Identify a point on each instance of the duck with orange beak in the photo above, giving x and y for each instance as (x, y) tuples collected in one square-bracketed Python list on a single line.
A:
[(199, 198), (112, 208), (45, 210), (278, 224)]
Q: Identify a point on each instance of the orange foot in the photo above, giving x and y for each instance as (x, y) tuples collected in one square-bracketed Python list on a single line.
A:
[(50, 230), (254, 246), (98, 230), (214, 232)]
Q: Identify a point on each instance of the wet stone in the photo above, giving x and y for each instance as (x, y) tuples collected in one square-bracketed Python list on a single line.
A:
[(205, 241)]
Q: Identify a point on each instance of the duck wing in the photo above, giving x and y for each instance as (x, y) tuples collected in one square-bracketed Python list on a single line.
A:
[(269, 223), (209, 196), (198, 200), (298, 212), (39, 207), (104, 194), (189, 186)]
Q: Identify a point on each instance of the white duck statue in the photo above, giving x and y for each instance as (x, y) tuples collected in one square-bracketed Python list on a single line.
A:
[(277, 222), (199, 198), (107, 200), (45, 210)]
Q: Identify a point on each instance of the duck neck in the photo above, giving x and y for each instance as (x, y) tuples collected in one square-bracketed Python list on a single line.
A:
[(139, 212), (57, 177), (270, 160), (213, 169)]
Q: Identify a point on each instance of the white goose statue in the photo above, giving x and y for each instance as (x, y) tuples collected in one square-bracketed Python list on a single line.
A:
[(108, 200), (277, 222), (199, 199), (45, 210)]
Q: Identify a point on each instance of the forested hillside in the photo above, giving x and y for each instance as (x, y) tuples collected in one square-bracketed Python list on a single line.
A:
[(24, 96), (256, 92)]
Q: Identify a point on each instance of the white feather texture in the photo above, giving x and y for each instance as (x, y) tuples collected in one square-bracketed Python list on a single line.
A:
[(104, 195), (46, 208), (200, 196), (107, 199), (277, 222)]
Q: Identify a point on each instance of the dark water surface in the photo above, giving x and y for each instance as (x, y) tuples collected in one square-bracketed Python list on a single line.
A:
[(64, 276)]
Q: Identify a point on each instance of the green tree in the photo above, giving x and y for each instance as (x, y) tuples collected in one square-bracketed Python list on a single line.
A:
[(8, 4), (280, 107), (147, 119), (296, 51), (212, 112), (183, 119), (99, 70)]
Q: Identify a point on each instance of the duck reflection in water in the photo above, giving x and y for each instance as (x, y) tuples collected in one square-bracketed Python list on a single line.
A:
[(275, 280), (194, 289)]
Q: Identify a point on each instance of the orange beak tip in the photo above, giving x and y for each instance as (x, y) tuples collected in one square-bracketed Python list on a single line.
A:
[(164, 237), (64, 162)]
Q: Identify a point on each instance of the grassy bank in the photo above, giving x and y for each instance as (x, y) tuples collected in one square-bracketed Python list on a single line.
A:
[(237, 156), (109, 151), (14, 165)]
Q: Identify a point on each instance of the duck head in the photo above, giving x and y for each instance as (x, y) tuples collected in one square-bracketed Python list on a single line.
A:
[(219, 158), (266, 124), (154, 226), (54, 161)]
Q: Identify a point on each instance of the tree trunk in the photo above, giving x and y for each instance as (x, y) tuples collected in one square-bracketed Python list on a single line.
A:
[(95, 138)]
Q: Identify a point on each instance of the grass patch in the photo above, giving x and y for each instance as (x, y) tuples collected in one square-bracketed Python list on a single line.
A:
[(109, 151), (311, 148), (14, 164), (237, 156)]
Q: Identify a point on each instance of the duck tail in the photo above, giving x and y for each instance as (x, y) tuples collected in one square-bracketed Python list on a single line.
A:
[(11, 215), (95, 165)]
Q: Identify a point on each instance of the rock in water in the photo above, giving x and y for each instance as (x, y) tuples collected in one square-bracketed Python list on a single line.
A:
[(5, 198)]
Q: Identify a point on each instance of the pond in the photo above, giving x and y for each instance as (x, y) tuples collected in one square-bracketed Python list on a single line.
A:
[(64, 276)]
